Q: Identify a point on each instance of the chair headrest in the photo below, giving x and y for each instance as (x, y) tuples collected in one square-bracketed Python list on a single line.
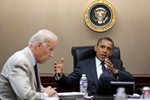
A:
[(84, 52)]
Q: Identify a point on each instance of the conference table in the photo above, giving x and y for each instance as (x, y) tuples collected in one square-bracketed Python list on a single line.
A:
[(80, 96), (95, 97), (98, 97), (76, 98)]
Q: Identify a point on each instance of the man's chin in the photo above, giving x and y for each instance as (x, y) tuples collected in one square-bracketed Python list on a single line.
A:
[(42, 62), (102, 58)]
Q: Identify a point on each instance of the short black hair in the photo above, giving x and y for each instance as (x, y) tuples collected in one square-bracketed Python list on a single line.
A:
[(105, 38)]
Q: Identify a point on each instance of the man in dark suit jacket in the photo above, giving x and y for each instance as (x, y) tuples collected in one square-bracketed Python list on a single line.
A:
[(99, 77)]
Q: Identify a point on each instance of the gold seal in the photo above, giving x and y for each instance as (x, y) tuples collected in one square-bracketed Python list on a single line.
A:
[(100, 15)]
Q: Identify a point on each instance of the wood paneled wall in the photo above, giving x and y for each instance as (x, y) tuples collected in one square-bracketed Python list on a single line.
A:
[(141, 80)]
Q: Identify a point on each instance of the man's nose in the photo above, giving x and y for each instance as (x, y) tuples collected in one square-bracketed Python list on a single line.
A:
[(51, 54), (105, 49)]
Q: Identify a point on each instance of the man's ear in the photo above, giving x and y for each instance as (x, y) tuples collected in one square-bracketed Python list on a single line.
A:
[(111, 53), (38, 45), (95, 48)]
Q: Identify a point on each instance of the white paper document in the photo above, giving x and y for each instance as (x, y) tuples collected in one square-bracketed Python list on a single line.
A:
[(71, 95), (51, 98)]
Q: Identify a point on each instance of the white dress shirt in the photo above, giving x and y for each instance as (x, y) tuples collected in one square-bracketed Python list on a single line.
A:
[(34, 61), (98, 67)]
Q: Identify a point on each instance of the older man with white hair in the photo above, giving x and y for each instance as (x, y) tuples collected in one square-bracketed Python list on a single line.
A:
[(19, 79)]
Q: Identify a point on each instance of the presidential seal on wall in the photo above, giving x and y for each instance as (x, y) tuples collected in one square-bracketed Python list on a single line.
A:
[(100, 15)]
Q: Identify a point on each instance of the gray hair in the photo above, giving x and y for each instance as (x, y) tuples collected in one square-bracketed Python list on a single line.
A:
[(42, 36)]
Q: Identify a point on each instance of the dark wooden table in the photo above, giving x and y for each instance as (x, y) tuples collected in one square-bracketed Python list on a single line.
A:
[(96, 97)]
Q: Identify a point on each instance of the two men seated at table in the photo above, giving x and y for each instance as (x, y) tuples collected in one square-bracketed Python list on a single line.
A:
[(100, 70)]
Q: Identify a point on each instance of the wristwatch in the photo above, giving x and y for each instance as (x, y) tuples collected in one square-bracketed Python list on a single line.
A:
[(116, 72)]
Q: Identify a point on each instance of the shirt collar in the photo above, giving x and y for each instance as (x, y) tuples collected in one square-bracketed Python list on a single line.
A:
[(98, 62), (31, 55)]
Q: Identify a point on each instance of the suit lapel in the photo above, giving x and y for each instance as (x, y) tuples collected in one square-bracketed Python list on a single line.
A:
[(33, 79), (92, 68)]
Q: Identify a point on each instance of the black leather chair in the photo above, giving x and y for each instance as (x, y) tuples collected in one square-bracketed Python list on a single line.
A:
[(83, 52)]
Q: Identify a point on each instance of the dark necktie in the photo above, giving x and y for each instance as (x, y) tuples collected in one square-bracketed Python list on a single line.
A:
[(103, 66), (37, 78)]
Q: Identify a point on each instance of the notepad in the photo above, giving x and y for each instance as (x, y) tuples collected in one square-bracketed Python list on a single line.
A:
[(68, 95)]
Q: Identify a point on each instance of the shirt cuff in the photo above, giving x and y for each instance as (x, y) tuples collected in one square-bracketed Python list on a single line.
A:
[(45, 94), (57, 78)]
